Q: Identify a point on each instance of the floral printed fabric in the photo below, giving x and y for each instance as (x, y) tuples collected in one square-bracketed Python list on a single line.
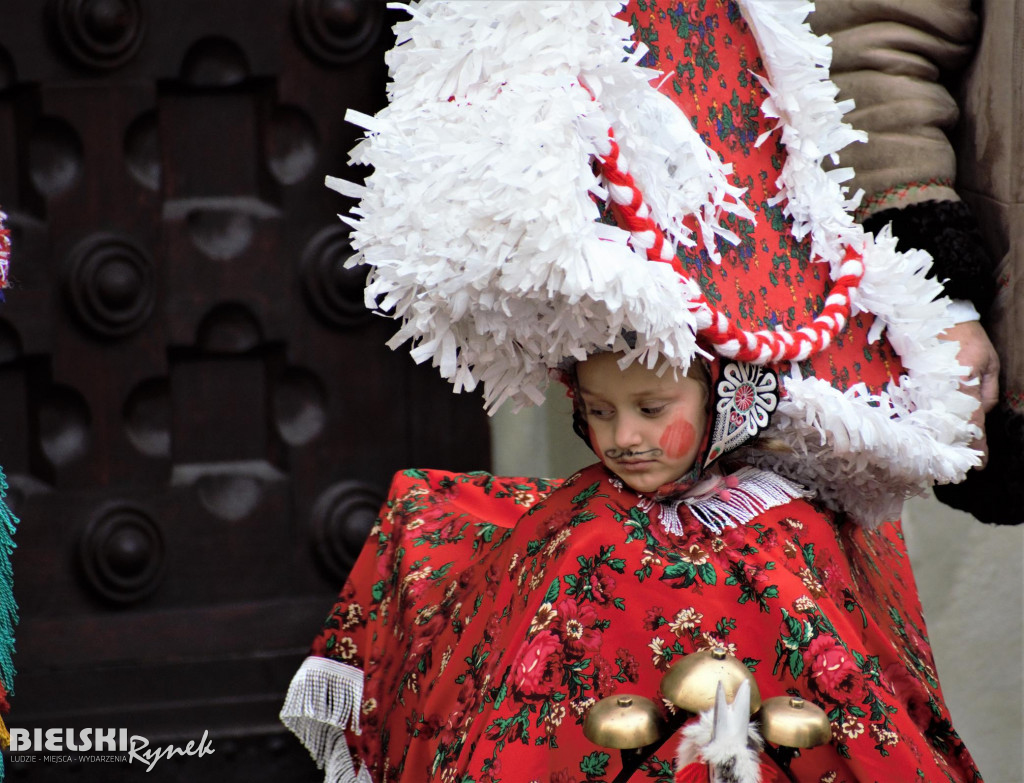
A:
[(712, 68), (489, 618)]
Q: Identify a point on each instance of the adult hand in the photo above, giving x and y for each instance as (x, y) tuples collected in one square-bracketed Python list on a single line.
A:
[(979, 355)]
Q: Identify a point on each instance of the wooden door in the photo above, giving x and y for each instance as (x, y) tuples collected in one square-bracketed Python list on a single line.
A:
[(199, 416)]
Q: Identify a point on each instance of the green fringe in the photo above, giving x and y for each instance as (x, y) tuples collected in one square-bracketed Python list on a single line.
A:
[(8, 606)]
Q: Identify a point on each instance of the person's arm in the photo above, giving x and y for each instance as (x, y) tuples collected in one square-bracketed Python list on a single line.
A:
[(891, 57)]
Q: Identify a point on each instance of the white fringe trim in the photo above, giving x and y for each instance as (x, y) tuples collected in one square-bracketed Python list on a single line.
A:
[(323, 702), (803, 98), (507, 273), (758, 491), (863, 453)]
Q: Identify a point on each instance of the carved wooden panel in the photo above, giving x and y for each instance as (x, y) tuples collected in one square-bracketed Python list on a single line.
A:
[(200, 417)]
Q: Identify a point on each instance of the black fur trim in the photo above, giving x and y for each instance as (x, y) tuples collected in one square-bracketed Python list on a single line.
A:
[(994, 495), (949, 232)]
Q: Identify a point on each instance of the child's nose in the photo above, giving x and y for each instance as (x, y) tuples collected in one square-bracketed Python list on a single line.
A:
[(627, 431)]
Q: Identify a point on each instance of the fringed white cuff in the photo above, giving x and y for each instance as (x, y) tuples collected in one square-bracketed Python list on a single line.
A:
[(323, 702)]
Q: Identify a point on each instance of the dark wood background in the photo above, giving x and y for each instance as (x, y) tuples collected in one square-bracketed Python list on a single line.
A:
[(199, 416)]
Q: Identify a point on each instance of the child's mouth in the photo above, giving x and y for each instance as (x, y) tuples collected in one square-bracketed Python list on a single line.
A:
[(635, 463)]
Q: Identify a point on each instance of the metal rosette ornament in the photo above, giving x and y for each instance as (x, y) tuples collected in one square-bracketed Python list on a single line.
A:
[(530, 204), (745, 398)]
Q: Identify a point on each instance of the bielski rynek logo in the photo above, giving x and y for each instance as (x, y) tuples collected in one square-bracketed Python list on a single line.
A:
[(104, 744)]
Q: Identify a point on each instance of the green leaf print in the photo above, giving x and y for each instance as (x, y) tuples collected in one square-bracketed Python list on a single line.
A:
[(796, 663), (595, 764), (583, 516), (553, 590), (378, 591), (499, 697), (685, 571), (586, 494)]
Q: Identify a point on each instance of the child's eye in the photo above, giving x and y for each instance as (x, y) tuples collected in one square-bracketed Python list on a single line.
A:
[(599, 413), (652, 410)]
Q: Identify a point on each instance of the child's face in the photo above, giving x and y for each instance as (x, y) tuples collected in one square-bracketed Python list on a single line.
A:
[(645, 428)]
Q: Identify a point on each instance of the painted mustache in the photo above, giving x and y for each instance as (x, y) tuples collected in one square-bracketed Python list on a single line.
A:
[(629, 453)]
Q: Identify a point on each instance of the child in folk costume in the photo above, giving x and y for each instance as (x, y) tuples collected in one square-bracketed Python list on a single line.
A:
[(762, 383)]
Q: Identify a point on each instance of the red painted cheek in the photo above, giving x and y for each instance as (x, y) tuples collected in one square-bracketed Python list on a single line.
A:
[(678, 438)]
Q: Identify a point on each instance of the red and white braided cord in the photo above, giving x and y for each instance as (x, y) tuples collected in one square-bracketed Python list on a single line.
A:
[(758, 347)]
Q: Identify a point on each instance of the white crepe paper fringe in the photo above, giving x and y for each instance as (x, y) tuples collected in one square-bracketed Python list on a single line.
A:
[(803, 98), (678, 174), (863, 453), (478, 221), (757, 492), (725, 738), (482, 236), (323, 703)]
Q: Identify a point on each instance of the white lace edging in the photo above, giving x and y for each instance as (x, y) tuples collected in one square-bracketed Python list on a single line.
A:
[(757, 492), (323, 702)]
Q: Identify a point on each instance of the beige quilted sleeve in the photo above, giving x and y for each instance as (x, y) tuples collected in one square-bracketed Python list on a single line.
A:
[(890, 56)]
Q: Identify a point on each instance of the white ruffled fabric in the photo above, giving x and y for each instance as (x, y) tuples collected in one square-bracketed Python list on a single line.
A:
[(482, 234), (323, 702)]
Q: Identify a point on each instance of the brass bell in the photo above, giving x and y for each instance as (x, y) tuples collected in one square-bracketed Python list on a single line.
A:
[(794, 723), (623, 721), (692, 683)]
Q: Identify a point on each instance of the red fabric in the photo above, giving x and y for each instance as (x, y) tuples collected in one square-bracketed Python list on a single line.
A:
[(693, 773), (698, 773), (484, 647), (767, 281)]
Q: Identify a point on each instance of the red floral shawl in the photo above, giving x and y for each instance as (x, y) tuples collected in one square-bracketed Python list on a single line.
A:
[(485, 638)]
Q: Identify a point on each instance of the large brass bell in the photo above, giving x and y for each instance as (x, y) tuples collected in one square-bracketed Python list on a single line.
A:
[(623, 721), (692, 683), (792, 722)]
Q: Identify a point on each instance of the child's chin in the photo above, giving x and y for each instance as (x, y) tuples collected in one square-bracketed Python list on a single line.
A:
[(641, 484), (651, 483)]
